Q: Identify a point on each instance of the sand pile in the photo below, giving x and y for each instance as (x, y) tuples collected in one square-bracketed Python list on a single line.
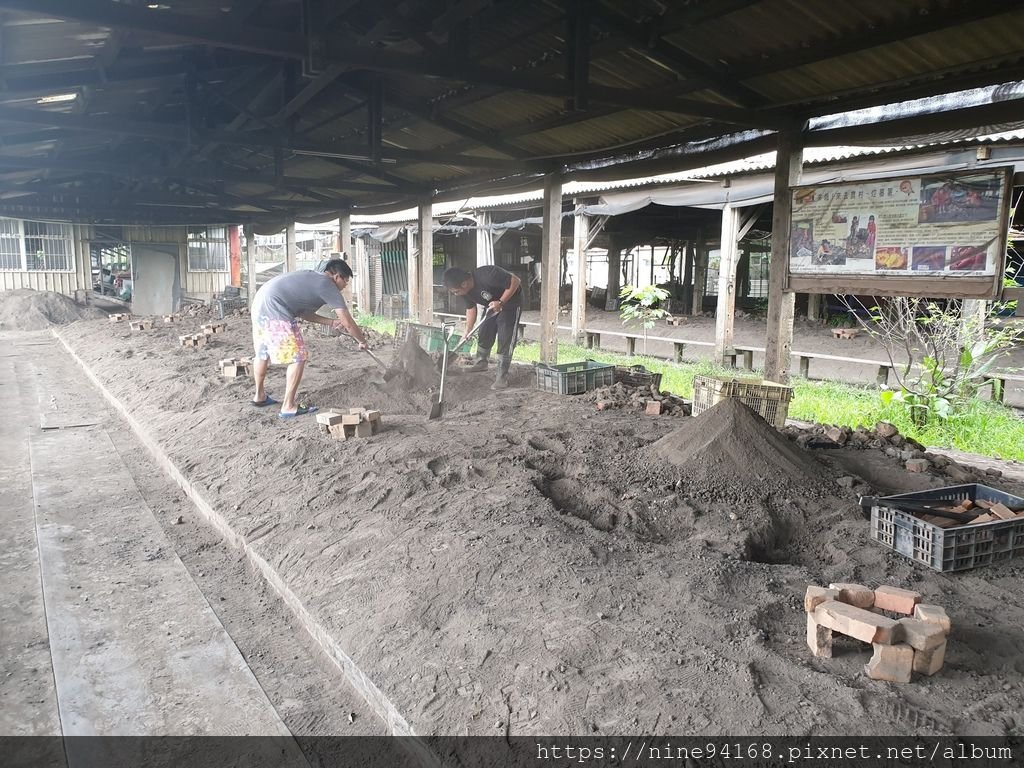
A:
[(729, 452), (29, 310), (414, 368)]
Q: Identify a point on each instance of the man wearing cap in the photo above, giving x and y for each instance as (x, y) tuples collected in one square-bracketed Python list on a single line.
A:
[(276, 336), (498, 291)]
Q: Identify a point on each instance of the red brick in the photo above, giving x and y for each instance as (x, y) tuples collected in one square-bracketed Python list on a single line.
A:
[(854, 594), (896, 600), (934, 614), (921, 635), (891, 662), (856, 622), (653, 408), (819, 638), (931, 661), (917, 465), (815, 596)]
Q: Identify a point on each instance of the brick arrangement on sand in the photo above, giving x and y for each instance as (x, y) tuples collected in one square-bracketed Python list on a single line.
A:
[(914, 642)]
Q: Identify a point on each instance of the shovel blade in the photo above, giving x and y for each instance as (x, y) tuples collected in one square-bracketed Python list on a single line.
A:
[(436, 409)]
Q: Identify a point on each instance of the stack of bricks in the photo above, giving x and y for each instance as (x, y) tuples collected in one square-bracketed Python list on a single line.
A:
[(845, 333), (119, 317), (141, 325), (675, 321), (993, 511), (232, 367), (193, 340), (358, 422), (916, 642), (209, 328)]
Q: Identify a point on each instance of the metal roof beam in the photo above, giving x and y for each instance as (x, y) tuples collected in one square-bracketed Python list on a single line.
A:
[(269, 42), (910, 25)]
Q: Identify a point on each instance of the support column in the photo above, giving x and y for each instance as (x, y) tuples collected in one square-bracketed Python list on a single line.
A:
[(290, 248), (726, 312), (972, 320), (484, 240), (581, 236), (687, 255), (700, 274), (413, 275), (345, 235), (360, 261), (551, 248), (779, 340), (250, 262), (814, 306), (426, 218), (614, 270)]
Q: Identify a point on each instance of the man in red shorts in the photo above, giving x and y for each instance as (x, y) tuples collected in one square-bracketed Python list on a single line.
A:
[(276, 337)]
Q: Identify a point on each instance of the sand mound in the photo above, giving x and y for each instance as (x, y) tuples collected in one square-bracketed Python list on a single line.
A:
[(415, 369), (29, 310), (729, 450)]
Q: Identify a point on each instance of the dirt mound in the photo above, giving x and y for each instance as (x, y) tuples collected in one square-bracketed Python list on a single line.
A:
[(29, 310), (730, 452), (416, 370)]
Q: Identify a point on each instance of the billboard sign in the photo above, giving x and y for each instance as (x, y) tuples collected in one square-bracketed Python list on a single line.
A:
[(940, 234)]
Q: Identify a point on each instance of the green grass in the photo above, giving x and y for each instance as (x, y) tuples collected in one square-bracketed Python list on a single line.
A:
[(984, 428)]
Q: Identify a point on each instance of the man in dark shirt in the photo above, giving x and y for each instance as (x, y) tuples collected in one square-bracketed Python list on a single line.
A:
[(498, 291)]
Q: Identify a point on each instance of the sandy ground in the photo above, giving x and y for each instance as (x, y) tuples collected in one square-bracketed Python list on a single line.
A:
[(529, 565)]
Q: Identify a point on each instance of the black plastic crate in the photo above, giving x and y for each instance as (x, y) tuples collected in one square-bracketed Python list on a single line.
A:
[(637, 376), (956, 548)]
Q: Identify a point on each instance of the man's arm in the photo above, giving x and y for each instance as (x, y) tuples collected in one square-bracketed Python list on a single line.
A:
[(513, 287), (313, 317), (470, 320), (347, 322)]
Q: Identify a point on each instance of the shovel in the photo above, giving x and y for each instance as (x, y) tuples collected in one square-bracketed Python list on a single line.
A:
[(437, 404), (389, 372), (476, 328)]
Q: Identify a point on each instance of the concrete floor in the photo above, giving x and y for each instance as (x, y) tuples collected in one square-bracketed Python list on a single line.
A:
[(105, 632)]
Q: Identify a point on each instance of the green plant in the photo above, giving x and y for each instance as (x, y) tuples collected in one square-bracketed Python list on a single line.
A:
[(640, 304), (940, 354)]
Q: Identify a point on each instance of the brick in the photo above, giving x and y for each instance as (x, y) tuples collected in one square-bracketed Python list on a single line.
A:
[(815, 596), (983, 503), (603, 405), (931, 661), (351, 418), (374, 426), (357, 410), (854, 594), (653, 408), (986, 518), (917, 465), (226, 362), (373, 415), (891, 662), (856, 622), (364, 429), (338, 432), (837, 435), (896, 600), (921, 635), (819, 639), (170, 319), (1002, 511), (329, 418)]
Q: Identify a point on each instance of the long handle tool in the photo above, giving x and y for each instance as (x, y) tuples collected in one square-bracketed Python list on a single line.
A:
[(437, 404)]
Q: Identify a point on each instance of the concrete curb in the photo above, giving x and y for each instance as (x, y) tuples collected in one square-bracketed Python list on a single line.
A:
[(374, 697)]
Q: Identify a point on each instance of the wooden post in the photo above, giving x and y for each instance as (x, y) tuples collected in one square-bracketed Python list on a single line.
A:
[(345, 235), (551, 248), (250, 262), (726, 311), (972, 319), (687, 254), (360, 260), (779, 341), (426, 218), (700, 274), (814, 306), (290, 248), (413, 273), (614, 270), (581, 235)]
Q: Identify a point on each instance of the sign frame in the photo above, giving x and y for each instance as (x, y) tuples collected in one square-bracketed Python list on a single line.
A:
[(887, 284)]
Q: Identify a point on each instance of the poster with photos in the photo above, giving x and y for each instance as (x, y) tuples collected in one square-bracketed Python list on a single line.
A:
[(946, 224)]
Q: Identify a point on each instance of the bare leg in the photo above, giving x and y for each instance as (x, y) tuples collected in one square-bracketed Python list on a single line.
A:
[(259, 375), (292, 379)]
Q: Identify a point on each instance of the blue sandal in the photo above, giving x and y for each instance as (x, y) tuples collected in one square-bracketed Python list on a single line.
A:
[(302, 411), (268, 400)]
